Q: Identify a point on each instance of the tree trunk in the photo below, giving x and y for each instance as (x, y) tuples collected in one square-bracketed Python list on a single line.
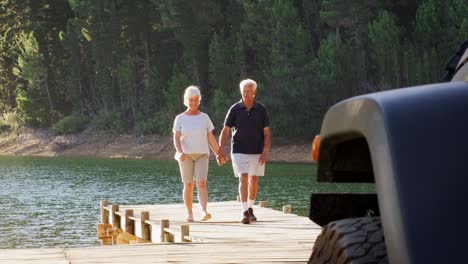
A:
[(50, 102), (81, 93), (133, 104)]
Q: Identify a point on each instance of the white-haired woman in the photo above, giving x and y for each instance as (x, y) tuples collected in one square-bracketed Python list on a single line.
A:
[(193, 136)]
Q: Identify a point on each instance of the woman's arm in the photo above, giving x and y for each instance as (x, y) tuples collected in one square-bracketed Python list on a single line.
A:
[(178, 145), (213, 144), (215, 148)]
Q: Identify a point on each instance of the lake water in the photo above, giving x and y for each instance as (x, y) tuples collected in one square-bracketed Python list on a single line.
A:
[(54, 202)]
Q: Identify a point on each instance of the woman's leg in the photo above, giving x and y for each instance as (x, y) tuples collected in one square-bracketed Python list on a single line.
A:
[(201, 174), (187, 173), (188, 199), (202, 194)]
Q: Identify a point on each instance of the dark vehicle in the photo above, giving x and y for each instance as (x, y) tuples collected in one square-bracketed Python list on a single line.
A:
[(413, 144)]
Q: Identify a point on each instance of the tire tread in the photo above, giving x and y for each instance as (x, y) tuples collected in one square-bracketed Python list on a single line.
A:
[(351, 241)]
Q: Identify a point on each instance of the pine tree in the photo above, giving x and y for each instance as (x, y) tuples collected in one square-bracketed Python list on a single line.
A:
[(225, 73), (34, 101), (285, 75), (193, 23), (13, 23), (384, 43)]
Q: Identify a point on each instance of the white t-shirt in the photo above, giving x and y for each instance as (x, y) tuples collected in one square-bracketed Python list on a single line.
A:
[(194, 132)]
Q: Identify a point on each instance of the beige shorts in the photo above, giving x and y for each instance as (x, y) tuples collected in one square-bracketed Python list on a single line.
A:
[(194, 167), (247, 163)]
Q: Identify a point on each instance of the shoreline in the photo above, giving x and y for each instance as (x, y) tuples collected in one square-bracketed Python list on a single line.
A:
[(46, 143)]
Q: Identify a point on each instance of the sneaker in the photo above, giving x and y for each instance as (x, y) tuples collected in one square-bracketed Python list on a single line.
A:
[(206, 216), (245, 218), (252, 217)]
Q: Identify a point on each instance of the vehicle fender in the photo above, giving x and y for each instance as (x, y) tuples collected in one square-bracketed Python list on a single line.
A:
[(418, 143)]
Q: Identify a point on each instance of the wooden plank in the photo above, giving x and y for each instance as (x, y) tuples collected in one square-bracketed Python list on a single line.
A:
[(34, 256), (276, 238), (125, 238)]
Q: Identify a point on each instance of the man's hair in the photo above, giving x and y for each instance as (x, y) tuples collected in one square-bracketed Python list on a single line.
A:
[(190, 92), (248, 82)]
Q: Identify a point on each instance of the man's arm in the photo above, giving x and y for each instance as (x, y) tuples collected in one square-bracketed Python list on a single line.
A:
[(222, 140), (266, 145)]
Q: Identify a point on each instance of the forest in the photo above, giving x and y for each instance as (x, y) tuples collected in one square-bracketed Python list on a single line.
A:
[(123, 65)]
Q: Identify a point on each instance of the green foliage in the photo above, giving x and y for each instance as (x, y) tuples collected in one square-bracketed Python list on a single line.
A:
[(331, 69), (438, 32), (161, 123), (4, 127), (32, 107), (286, 69), (256, 31), (384, 42), (225, 69), (12, 120), (109, 121), (193, 23), (31, 98), (70, 124), (30, 62), (86, 34), (173, 98), (124, 65)]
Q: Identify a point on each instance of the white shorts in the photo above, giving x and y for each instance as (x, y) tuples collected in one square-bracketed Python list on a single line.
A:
[(247, 164)]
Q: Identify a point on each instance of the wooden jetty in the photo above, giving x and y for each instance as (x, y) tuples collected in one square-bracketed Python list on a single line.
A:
[(160, 234)]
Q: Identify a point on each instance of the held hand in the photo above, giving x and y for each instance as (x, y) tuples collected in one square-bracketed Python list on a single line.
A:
[(225, 159), (221, 159), (263, 158), (181, 156)]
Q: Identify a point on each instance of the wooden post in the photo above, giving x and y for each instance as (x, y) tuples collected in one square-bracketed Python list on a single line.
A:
[(115, 218), (184, 231), (287, 209), (129, 223), (164, 224), (104, 233), (168, 237), (145, 228), (263, 204), (104, 212), (116, 231)]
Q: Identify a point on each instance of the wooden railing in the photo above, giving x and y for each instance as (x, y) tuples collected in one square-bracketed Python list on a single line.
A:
[(129, 227), (126, 227)]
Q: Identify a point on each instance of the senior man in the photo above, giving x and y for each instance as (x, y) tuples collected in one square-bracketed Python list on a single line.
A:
[(248, 120)]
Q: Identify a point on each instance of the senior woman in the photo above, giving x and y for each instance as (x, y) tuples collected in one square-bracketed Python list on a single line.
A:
[(193, 136)]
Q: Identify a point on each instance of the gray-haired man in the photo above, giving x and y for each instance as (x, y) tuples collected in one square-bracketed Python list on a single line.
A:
[(250, 143)]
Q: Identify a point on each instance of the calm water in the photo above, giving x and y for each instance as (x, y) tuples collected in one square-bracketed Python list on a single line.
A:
[(54, 202)]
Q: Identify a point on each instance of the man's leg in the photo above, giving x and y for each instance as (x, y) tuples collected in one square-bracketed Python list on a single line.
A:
[(253, 187), (243, 193)]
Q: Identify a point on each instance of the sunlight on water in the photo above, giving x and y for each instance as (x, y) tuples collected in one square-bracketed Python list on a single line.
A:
[(54, 202)]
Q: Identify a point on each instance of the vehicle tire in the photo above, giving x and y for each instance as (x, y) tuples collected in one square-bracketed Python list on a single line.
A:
[(351, 241)]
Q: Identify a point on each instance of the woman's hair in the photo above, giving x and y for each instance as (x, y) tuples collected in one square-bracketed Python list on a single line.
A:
[(190, 92), (248, 82)]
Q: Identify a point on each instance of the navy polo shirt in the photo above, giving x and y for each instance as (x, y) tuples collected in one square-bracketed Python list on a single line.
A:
[(247, 127)]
